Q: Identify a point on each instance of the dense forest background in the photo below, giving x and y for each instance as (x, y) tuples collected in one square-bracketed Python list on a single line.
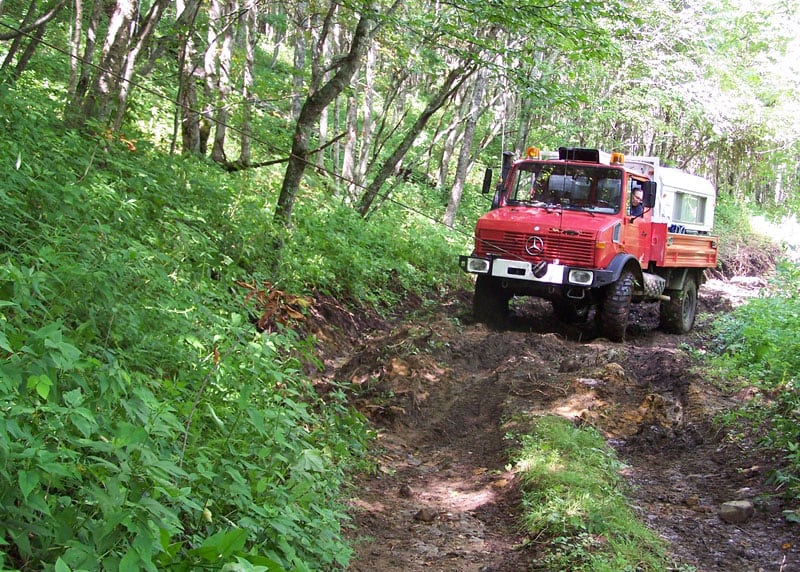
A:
[(372, 94), (183, 180)]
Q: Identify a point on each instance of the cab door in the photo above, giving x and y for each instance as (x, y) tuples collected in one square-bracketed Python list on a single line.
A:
[(636, 231)]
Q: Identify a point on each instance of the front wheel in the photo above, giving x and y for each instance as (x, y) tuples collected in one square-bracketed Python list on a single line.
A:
[(490, 302), (677, 315), (613, 315)]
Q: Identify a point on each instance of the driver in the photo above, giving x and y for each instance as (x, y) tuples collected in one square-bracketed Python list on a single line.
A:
[(637, 195)]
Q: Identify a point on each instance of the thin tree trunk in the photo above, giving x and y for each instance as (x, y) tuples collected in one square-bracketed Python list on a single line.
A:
[(187, 118), (224, 84), (73, 116), (97, 104), (145, 32), (75, 47), (210, 71), (17, 37), (349, 148), (26, 56), (367, 120), (450, 85), (300, 48), (448, 150), (249, 25), (311, 111), (29, 25), (462, 167)]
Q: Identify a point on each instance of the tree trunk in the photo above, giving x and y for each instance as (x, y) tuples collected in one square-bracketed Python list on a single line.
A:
[(74, 47), (17, 37), (450, 85), (145, 32), (367, 120), (250, 35), (26, 56), (224, 84), (448, 150), (97, 104), (30, 24), (210, 73), (73, 112), (187, 118), (462, 168), (300, 48), (349, 148), (310, 112)]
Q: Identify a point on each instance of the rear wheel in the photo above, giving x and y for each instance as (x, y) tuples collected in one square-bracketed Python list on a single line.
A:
[(677, 315), (613, 315), (490, 302)]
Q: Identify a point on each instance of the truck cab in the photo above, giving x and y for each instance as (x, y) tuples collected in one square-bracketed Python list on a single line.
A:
[(563, 227)]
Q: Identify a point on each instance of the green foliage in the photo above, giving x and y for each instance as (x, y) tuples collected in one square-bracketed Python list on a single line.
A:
[(144, 423), (573, 494), (375, 262), (759, 344)]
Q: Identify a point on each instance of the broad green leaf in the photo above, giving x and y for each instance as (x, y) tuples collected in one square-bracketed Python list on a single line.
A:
[(222, 545), (310, 461), (68, 355), (41, 384), (4, 344), (28, 480), (130, 562)]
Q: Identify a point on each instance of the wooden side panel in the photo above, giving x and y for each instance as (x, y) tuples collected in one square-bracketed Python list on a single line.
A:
[(689, 251)]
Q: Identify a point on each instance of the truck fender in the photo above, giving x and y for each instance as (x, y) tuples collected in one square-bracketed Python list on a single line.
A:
[(622, 261)]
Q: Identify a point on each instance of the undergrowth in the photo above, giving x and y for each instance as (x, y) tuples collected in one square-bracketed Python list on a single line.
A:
[(758, 345), (145, 421)]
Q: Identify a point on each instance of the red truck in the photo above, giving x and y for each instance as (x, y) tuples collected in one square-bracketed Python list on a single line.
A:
[(562, 227)]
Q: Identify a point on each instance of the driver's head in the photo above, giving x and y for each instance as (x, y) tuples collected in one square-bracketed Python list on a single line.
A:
[(638, 195)]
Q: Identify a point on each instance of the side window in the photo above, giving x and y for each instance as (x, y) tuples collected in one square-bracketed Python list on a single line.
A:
[(689, 208)]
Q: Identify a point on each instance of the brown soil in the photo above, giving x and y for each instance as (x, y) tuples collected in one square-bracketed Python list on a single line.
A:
[(444, 396)]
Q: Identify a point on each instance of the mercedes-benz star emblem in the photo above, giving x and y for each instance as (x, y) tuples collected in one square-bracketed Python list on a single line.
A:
[(534, 246)]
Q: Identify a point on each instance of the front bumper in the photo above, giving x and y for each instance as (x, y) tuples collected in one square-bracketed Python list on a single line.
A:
[(552, 273)]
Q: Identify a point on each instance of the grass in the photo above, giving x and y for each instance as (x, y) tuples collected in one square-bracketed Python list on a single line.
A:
[(575, 504)]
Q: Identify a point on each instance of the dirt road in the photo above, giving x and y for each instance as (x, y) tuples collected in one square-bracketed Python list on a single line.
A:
[(446, 397)]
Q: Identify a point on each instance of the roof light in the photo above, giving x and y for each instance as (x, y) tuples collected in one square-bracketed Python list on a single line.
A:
[(533, 153), (617, 158)]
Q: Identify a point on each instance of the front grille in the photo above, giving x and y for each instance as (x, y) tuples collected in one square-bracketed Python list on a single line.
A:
[(569, 249)]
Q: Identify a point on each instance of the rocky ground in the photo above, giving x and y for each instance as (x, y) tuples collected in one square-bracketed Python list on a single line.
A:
[(445, 395)]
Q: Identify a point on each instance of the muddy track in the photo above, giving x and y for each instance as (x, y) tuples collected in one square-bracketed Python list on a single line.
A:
[(445, 397)]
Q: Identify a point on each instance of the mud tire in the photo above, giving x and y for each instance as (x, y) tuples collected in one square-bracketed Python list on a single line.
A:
[(613, 315), (490, 302), (678, 315)]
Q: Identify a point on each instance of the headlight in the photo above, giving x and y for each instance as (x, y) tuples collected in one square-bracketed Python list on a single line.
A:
[(582, 277), (478, 265)]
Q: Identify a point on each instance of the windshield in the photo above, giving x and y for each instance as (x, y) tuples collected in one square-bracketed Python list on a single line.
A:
[(595, 189)]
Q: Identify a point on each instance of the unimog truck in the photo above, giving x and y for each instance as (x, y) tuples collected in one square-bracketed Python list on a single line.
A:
[(561, 228)]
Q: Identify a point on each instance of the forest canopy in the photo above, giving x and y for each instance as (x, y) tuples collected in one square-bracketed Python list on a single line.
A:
[(372, 93)]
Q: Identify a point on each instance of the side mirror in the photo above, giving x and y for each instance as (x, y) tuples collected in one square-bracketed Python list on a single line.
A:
[(650, 189), (487, 181)]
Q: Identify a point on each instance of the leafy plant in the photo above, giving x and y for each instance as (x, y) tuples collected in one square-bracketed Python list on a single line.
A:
[(145, 423), (759, 345)]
